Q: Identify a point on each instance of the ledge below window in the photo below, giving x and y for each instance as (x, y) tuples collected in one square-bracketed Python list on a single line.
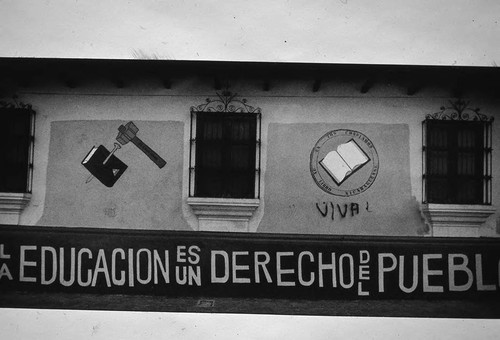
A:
[(11, 206), (13, 203), (456, 220), (223, 214)]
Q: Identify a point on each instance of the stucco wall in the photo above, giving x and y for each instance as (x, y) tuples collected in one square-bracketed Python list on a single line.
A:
[(70, 121), (296, 203), (145, 196)]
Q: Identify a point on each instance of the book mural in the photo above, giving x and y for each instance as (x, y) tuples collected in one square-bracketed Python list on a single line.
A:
[(106, 167), (344, 162)]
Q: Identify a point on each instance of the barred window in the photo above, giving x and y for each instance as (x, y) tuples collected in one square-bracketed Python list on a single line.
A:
[(225, 149), (16, 148), (225, 155), (457, 159)]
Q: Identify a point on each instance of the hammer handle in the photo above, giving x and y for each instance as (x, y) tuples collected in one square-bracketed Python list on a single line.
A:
[(149, 152)]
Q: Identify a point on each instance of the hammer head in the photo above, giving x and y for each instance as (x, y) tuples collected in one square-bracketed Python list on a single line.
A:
[(126, 133)]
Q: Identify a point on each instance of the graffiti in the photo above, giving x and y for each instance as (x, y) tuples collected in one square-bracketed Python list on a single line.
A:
[(335, 210), (106, 167)]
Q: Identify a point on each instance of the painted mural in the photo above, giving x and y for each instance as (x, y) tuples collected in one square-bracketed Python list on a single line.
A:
[(175, 263), (128, 180), (340, 154), (348, 179), (106, 167)]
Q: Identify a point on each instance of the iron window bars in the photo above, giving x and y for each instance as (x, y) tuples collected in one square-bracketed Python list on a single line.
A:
[(17, 147), (225, 148), (457, 158)]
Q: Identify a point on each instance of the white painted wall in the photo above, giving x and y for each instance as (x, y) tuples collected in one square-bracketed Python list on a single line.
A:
[(97, 103)]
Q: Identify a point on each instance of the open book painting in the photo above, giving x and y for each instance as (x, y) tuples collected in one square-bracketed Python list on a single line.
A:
[(343, 162)]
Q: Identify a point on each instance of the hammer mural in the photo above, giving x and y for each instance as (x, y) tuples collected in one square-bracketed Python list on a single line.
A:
[(106, 167), (128, 133)]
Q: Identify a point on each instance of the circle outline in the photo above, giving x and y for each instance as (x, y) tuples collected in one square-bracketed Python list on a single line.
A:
[(322, 184)]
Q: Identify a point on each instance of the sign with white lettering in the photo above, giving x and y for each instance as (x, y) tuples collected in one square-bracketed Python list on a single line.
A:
[(171, 263)]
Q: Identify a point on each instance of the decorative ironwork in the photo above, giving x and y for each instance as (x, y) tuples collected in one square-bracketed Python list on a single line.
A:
[(15, 104), (481, 191), (459, 110), (226, 102)]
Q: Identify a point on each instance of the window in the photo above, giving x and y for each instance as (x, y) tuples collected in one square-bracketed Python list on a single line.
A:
[(225, 155), (16, 159), (224, 163), (457, 171), (455, 165), (457, 157), (16, 148), (225, 149)]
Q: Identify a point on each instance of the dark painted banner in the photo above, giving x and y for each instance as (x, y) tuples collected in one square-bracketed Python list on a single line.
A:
[(245, 265)]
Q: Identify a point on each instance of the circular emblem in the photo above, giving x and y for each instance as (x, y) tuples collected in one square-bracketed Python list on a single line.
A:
[(344, 162)]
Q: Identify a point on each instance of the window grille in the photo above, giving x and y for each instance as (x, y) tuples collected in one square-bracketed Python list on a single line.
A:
[(225, 149), (16, 147), (457, 156)]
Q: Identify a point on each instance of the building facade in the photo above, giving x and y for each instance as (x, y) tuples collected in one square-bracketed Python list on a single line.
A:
[(245, 147), (310, 182)]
